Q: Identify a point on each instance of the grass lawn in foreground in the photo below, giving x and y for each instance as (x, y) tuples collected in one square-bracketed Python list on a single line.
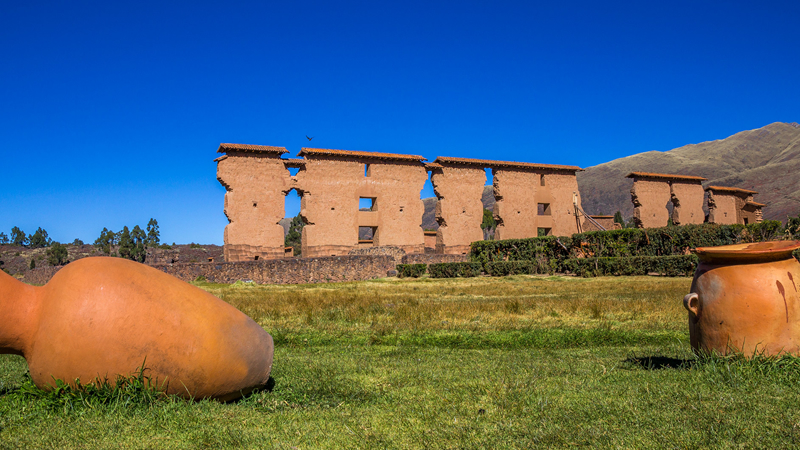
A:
[(515, 362)]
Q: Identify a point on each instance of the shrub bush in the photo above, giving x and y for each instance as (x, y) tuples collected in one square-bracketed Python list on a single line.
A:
[(550, 253), (411, 270), (454, 269), (503, 268), (671, 266)]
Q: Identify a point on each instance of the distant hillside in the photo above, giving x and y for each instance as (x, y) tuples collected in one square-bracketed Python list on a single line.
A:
[(766, 160)]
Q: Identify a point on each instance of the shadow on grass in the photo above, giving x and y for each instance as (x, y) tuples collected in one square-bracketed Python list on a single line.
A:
[(660, 362)]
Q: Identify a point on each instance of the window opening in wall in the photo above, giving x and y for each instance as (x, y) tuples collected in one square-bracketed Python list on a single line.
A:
[(543, 209), (544, 231), (367, 235), (366, 170), (541, 180), (488, 224), (292, 223), (367, 204), (256, 258), (745, 221), (293, 171)]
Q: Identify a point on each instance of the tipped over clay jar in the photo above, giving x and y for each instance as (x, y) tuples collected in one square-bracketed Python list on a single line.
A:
[(102, 317), (744, 298)]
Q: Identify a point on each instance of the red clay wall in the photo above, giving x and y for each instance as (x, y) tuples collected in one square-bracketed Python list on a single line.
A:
[(459, 210), (688, 200), (723, 208), (650, 198), (332, 187), (515, 212), (253, 204), (561, 187)]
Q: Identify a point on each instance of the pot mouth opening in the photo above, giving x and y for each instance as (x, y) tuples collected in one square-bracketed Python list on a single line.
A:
[(757, 251)]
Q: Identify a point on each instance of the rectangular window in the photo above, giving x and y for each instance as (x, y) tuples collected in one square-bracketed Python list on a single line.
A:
[(541, 179), (367, 204), (543, 209), (366, 170), (544, 231), (366, 235)]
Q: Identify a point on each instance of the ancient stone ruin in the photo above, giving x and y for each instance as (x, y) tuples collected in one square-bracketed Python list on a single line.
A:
[(728, 205), (334, 184), (655, 194), (530, 200)]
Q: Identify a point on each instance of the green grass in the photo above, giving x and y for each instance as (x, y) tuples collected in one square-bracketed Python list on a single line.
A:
[(518, 362)]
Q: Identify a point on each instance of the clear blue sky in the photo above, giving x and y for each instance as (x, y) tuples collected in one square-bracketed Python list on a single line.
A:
[(112, 112)]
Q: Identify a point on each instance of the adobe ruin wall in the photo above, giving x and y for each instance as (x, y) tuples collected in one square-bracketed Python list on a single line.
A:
[(728, 205), (655, 194), (531, 200)]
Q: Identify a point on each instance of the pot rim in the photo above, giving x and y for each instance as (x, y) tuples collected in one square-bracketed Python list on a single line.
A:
[(753, 252)]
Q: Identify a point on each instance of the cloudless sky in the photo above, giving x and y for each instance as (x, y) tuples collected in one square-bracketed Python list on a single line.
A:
[(111, 112)]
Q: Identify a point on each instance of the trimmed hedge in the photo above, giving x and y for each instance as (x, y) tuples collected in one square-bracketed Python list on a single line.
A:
[(503, 268), (551, 252), (671, 266), (454, 269), (411, 270)]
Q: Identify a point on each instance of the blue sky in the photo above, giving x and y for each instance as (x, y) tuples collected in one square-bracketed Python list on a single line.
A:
[(112, 112)]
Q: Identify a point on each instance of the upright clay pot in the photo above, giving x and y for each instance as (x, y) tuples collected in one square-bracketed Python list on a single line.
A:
[(102, 317), (744, 298)]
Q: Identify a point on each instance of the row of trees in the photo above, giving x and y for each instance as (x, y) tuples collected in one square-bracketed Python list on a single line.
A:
[(129, 244), (39, 239)]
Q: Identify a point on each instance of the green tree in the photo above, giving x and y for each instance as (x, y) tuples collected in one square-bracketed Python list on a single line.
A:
[(153, 235), (57, 254), (39, 239), (295, 235), (4, 238), (77, 242), (106, 241), (33, 264), (488, 220), (489, 224), (139, 239), (125, 243), (793, 227), (618, 219), (18, 237)]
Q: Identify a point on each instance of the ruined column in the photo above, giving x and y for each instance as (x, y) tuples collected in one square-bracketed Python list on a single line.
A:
[(687, 199), (459, 210), (254, 177), (650, 195), (514, 209)]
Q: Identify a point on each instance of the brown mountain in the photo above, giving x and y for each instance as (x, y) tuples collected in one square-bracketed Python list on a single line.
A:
[(766, 160)]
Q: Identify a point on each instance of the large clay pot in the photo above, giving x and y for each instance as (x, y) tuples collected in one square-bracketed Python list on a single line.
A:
[(102, 317), (744, 299)]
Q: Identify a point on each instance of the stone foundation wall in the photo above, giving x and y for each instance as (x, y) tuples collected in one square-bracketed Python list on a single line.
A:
[(396, 253), (287, 271)]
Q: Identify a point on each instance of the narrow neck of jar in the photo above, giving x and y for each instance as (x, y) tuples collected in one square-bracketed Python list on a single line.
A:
[(19, 305)]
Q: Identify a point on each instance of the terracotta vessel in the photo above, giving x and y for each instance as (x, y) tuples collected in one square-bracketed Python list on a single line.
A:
[(744, 299), (100, 317)]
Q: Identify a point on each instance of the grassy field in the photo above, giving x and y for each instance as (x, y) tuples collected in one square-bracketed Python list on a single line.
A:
[(516, 362)]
